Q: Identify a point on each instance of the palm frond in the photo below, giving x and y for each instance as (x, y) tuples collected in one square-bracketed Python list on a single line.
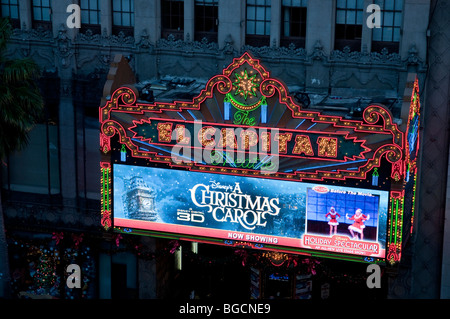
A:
[(19, 70), (21, 103), (5, 32)]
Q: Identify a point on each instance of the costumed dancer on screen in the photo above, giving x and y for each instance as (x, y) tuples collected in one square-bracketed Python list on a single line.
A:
[(358, 225), (332, 216)]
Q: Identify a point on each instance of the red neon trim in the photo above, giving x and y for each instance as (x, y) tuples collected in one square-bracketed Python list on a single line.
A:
[(105, 165)]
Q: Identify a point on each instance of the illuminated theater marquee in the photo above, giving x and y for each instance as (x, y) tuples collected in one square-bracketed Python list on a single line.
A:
[(255, 140), (245, 125)]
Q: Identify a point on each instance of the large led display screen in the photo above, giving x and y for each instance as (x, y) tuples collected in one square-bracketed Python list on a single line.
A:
[(306, 216)]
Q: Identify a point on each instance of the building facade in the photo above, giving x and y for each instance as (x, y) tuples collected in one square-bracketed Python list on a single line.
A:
[(325, 52)]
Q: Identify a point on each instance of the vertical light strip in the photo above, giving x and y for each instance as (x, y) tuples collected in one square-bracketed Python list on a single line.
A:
[(106, 195), (396, 220), (391, 220)]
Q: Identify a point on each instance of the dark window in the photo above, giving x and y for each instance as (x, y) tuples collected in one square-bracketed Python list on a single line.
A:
[(258, 23), (10, 8), (87, 90), (26, 179), (293, 28), (349, 16), (172, 18), (42, 14), (388, 36), (90, 15), (123, 17), (119, 281), (206, 20)]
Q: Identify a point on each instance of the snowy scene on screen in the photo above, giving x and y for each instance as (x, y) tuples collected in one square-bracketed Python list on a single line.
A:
[(304, 215)]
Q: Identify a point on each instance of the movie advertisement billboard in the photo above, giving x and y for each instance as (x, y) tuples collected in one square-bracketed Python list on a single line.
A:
[(278, 213)]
